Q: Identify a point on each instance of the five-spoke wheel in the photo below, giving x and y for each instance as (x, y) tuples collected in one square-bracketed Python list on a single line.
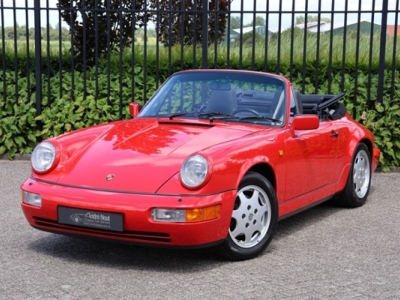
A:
[(251, 216), (361, 173), (254, 218), (358, 183)]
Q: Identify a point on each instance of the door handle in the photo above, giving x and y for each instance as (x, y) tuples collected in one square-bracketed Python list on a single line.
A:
[(334, 133)]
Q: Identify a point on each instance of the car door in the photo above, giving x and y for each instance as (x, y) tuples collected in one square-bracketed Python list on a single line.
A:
[(310, 157)]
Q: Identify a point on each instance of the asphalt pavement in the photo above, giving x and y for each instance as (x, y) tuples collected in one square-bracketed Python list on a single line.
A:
[(323, 253)]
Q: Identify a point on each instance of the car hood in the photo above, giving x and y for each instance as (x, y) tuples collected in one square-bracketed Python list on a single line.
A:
[(138, 155)]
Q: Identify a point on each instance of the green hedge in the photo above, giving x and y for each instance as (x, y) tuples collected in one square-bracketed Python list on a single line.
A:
[(19, 131)]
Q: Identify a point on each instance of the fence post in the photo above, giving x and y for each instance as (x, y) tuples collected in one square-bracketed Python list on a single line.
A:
[(204, 42), (382, 55), (38, 57)]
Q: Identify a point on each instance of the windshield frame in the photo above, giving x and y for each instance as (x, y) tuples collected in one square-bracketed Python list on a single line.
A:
[(153, 106)]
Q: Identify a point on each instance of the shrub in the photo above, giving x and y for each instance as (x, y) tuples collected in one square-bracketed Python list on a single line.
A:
[(97, 97)]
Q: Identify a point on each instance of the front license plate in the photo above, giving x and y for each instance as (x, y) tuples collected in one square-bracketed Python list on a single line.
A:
[(90, 218)]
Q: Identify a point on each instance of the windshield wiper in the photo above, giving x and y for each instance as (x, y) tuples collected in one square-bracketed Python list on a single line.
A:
[(260, 118), (212, 115), (179, 114)]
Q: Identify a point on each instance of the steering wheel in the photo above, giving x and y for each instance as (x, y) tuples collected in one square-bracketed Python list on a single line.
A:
[(248, 110)]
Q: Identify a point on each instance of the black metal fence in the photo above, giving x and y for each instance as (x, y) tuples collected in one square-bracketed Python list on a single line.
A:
[(68, 46)]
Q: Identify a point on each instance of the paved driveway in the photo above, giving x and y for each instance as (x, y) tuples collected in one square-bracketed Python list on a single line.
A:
[(323, 253)]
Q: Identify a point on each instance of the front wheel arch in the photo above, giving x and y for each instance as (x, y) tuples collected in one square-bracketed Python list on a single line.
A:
[(254, 219), (265, 170)]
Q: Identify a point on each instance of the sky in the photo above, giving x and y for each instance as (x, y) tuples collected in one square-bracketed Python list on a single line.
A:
[(26, 10)]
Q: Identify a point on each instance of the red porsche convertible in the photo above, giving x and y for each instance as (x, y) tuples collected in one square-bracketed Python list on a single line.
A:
[(214, 158)]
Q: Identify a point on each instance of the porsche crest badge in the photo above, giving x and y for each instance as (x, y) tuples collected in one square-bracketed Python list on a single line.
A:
[(110, 177)]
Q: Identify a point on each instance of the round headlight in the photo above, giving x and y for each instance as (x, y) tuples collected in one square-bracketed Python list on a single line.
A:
[(194, 171), (43, 157)]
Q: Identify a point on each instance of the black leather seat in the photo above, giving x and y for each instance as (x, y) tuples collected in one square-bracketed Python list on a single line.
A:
[(222, 101)]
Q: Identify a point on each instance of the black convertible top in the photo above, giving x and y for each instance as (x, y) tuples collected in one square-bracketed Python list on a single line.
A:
[(325, 106)]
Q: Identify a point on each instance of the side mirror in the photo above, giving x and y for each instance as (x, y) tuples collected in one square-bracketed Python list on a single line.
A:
[(304, 122), (134, 109)]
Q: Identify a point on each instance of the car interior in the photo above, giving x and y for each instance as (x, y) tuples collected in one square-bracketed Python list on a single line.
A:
[(271, 103)]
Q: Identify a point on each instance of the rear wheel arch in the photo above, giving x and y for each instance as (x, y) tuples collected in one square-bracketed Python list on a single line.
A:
[(367, 143), (351, 149), (358, 181)]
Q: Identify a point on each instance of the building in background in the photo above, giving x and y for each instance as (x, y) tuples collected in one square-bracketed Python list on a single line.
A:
[(339, 27), (393, 30), (234, 34)]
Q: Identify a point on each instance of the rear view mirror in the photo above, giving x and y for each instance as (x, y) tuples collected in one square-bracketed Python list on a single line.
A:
[(304, 122), (134, 109)]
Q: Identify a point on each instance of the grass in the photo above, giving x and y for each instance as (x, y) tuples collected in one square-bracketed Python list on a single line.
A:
[(323, 51)]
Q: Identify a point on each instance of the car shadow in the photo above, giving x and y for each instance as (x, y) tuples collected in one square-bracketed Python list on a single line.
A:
[(309, 217), (126, 256), (304, 219)]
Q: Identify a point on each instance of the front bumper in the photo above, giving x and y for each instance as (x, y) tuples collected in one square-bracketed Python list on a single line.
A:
[(138, 225)]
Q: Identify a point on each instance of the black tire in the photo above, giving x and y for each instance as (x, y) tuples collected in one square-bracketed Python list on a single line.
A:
[(358, 182), (254, 219)]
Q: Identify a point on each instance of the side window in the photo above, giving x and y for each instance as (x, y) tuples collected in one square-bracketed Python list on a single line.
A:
[(296, 106), (293, 107)]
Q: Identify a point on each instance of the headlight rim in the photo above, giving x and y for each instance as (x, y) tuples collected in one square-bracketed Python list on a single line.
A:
[(206, 178), (56, 159)]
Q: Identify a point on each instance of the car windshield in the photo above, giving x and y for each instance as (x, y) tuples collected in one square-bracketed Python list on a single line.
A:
[(215, 95)]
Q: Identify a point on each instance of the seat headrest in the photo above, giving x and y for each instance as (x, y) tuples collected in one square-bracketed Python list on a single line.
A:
[(220, 86)]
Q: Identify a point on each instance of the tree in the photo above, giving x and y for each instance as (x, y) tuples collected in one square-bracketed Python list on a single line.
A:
[(23, 32), (53, 35), (9, 33), (94, 28), (182, 21), (65, 34), (251, 39), (31, 33), (260, 21), (235, 22), (311, 18)]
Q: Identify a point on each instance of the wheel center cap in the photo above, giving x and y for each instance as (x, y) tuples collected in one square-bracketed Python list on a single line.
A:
[(251, 217)]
